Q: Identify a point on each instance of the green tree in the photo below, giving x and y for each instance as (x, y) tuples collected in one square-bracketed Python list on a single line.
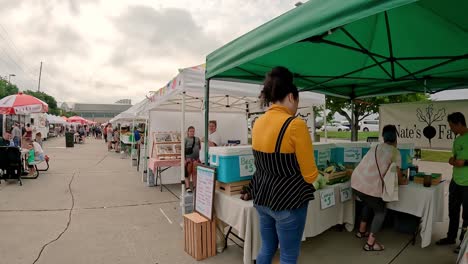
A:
[(7, 88), (366, 107), (50, 100)]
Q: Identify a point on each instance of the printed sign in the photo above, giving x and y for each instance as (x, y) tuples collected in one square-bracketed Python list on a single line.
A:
[(423, 123), (204, 193), (327, 198), (352, 155), (346, 193), (246, 165), (323, 157)]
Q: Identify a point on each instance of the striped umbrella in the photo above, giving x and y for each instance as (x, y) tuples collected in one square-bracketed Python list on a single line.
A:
[(22, 104)]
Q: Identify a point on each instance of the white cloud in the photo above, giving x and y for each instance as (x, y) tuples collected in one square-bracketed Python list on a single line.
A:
[(105, 50)]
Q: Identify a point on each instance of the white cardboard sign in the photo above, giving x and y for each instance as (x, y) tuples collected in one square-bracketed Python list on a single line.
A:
[(322, 157), (346, 193), (247, 165), (327, 198), (352, 155)]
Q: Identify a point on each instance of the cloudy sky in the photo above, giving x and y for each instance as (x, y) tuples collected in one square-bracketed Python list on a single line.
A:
[(104, 50)]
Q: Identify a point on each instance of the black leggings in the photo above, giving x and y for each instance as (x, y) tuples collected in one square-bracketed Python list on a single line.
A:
[(375, 204)]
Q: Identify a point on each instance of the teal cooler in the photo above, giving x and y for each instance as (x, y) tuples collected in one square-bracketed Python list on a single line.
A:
[(407, 154), (350, 153), (323, 153), (232, 164)]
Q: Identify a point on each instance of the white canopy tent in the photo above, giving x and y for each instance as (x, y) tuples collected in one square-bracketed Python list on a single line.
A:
[(134, 113), (53, 119), (184, 94)]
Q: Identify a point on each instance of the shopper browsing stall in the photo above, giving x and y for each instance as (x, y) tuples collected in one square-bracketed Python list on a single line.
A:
[(192, 157), (281, 187), (368, 183), (458, 189)]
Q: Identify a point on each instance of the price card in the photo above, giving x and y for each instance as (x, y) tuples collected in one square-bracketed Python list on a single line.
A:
[(346, 193), (322, 157), (327, 198), (246, 165), (352, 155)]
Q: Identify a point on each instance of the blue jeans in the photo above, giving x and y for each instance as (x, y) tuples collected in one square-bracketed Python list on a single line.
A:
[(283, 227)]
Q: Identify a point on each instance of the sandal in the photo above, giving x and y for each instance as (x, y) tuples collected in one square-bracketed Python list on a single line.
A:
[(368, 247), (360, 234)]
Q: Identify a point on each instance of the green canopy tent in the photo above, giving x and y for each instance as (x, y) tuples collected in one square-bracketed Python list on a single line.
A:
[(355, 48)]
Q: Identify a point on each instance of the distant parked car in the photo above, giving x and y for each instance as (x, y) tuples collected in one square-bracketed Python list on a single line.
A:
[(369, 125), (335, 127)]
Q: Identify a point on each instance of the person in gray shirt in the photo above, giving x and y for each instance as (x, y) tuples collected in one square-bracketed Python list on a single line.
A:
[(16, 134), (192, 157)]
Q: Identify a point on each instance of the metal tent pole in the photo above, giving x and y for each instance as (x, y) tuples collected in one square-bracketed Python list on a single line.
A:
[(207, 116)]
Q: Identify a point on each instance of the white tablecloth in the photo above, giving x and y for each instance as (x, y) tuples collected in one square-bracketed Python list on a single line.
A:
[(427, 203), (243, 217)]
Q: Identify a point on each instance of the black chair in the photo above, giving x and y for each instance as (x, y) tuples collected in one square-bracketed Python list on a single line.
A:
[(11, 166)]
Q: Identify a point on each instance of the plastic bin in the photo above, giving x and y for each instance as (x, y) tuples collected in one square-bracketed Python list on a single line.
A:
[(350, 153), (233, 163), (407, 153), (323, 153)]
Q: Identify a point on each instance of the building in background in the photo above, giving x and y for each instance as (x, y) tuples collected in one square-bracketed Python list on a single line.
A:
[(98, 112)]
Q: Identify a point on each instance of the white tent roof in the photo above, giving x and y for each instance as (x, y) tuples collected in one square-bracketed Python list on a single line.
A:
[(53, 119), (133, 113), (224, 96)]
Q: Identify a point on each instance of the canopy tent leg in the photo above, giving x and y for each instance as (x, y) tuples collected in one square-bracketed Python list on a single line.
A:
[(145, 159), (182, 153), (325, 120), (132, 142), (207, 116)]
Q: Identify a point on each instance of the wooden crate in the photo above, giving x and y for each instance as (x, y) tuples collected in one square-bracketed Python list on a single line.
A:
[(232, 188), (200, 236), (335, 175)]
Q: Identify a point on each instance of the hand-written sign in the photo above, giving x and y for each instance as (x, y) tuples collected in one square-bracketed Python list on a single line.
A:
[(346, 193), (323, 157), (246, 165), (327, 198), (352, 155), (204, 193)]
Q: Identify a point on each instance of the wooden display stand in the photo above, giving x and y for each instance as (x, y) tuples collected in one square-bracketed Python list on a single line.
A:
[(200, 236), (166, 146), (232, 188)]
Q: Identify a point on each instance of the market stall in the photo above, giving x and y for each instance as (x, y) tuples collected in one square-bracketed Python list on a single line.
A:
[(363, 52), (132, 117), (231, 103)]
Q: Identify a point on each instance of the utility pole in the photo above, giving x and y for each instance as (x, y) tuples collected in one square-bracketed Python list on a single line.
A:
[(39, 84)]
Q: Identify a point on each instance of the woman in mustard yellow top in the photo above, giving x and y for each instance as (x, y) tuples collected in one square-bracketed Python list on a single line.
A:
[(282, 185)]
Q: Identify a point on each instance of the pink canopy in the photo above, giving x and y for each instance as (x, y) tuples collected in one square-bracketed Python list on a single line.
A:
[(77, 119)]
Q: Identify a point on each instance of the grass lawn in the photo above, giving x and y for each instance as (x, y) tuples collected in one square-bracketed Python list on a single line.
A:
[(362, 136), (435, 155)]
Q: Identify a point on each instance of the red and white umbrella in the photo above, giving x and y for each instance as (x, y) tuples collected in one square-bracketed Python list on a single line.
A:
[(77, 119), (22, 104)]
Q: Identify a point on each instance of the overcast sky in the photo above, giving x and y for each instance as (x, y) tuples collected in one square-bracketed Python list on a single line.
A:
[(103, 50)]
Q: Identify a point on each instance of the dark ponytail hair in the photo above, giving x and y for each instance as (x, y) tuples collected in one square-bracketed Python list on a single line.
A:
[(277, 85)]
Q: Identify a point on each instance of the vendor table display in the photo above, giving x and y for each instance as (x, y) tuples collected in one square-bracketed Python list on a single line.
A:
[(425, 202), (155, 169), (243, 217)]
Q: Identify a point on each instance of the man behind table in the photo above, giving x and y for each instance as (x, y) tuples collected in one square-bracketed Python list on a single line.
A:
[(214, 139), (458, 190)]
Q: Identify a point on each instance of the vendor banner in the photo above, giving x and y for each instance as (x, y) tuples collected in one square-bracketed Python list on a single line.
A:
[(423, 123)]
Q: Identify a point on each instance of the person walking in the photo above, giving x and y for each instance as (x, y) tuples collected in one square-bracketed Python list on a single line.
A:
[(104, 132), (281, 187), (458, 188), (110, 137), (367, 183)]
